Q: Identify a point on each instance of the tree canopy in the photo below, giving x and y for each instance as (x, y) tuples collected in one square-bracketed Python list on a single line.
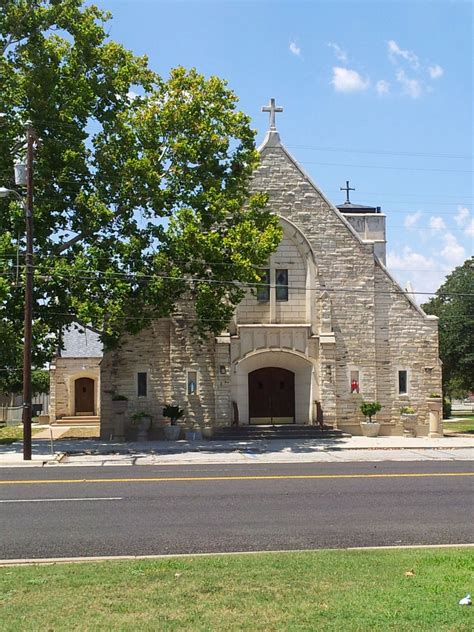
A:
[(454, 306), (141, 197)]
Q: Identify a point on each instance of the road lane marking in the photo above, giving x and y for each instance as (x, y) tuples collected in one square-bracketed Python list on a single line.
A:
[(202, 479), (57, 500)]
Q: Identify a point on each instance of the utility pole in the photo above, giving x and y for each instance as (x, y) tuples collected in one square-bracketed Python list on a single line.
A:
[(28, 318)]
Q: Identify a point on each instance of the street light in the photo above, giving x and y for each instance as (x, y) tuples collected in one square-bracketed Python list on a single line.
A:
[(28, 317)]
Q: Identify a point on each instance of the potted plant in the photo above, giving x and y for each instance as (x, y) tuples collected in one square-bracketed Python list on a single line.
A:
[(119, 403), (409, 419), (369, 409), (142, 421), (173, 413)]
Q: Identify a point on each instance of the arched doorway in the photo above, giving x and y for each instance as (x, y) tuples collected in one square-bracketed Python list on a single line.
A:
[(271, 396), (84, 396)]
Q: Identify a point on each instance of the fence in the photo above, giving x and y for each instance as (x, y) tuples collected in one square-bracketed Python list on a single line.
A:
[(11, 415)]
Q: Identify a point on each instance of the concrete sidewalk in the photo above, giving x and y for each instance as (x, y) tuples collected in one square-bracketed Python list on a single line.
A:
[(94, 452)]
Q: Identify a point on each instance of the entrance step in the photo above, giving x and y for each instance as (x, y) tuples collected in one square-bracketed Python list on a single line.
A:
[(293, 431), (78, 420)]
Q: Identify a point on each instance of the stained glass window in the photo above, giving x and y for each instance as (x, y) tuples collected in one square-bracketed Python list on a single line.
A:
[(281, 283)]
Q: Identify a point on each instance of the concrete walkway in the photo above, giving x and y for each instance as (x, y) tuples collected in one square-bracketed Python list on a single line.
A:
[(94, 452)]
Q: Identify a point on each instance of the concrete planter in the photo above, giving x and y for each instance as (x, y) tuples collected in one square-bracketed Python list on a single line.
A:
[(119, 405), (435, 405), (172, 432), (143, 427), (409, 422), (193, 435), (207, 432), (370, 429)]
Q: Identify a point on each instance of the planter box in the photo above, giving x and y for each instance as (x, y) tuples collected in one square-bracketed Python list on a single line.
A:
[(172, 432), (370, 429), (409, 422), (119, 405), (193, 435)]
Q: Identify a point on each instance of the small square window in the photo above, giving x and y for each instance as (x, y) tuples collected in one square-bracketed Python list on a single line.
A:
[(263, 288), (281, 283), (402, 382), (142, 384), (192, 383), (355, 384)]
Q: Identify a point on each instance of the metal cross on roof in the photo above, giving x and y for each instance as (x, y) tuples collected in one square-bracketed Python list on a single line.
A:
[(272, 108), (347, 188)]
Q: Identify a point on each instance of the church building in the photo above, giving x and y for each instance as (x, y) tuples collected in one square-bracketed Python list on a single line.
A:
[(327, 329)]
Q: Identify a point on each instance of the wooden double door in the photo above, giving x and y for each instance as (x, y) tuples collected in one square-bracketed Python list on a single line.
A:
[(84, 396), (271, 396)]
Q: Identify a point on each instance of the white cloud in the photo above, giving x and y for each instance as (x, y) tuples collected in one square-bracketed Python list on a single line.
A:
[(412, 267), (382, 87), (339, 52), (131, 95), (411, 219), (469, 231), (295, 49), (437, 223), (435, 71), (462, 216), (412, 87), (345, 80), (453, 252), (395, 51)]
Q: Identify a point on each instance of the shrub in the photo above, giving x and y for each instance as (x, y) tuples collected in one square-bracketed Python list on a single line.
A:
[(446, 408), (173, 413), (369, 409)]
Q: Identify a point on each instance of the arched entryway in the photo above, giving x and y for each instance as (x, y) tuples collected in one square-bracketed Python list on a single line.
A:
[(84, 403), (271, 396)]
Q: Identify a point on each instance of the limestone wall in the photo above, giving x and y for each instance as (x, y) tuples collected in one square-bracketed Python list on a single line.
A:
[(166, 352)]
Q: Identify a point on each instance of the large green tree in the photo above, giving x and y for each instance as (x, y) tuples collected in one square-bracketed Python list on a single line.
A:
[(454, 306), (141, 183)]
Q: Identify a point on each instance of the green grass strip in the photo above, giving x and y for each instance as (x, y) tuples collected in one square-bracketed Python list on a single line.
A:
[(409, 589)]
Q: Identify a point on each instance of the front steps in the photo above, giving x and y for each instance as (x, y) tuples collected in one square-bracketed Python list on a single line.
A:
[(287, 431), (78, 420)]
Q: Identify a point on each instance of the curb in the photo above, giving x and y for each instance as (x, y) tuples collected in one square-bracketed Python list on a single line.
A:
[(164, 556)]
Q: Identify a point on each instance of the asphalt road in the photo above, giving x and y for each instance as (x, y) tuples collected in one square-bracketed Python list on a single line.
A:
[(85, 511)]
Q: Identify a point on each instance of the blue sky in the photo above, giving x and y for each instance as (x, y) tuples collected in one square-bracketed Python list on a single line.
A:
[(378, 93)]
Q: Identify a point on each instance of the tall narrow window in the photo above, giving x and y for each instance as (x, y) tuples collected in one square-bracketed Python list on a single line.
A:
[(141, 384), (263, 288), (281, 283), (402, 382), (354, 381), (192, 382)]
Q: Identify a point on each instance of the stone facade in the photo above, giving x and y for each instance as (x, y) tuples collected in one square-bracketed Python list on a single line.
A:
[(344, 316), (78, 359), (63, 375)]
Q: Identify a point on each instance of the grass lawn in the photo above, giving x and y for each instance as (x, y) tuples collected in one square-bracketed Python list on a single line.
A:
[(92, 432), (411, 589), (10, 434), (466, 426)]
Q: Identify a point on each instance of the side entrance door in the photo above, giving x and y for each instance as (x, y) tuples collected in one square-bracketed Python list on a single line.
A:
[(271, 396), (84, 396)]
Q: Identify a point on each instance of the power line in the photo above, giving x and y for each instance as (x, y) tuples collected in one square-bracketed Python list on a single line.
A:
[(359, 166), (383, 152), (138, 277)]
